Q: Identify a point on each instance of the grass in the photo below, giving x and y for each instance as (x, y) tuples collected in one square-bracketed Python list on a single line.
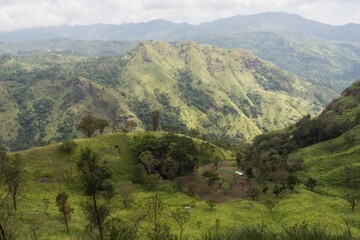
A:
[(325, 161), (46, 164)]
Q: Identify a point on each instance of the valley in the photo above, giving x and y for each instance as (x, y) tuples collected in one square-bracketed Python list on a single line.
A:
[(245, 127)]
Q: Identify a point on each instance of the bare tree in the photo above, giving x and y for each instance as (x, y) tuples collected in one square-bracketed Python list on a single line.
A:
[(126, 193), (181, 217), (13, 172)]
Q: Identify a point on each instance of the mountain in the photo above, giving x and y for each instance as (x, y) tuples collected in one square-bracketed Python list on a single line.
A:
[(222, 93), (321, 53), (65, 45), (334, 164), (277, 22)]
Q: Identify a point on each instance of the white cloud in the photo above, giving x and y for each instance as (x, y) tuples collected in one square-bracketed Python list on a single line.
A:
[(17, 14)]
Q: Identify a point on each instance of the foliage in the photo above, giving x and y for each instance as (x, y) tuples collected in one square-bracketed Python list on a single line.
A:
[(95, 180), (211, 178), (253, 192), (181, 217), (292, 181), (89, 124), (154, 208), (310, 183), (155, 118), (64, 208), (211, 203), (171, 155), (139, 174), (13, 178), (126, 193), (67, 146)]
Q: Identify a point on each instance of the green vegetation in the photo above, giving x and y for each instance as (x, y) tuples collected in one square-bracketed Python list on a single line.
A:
[(130, 214), (301, 182), (222, 94)]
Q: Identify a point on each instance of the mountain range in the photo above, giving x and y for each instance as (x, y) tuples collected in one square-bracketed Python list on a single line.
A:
[(224, 93), (278, 22), (324, 54)]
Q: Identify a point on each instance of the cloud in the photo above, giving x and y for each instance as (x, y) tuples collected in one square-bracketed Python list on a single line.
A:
[(17, 14)]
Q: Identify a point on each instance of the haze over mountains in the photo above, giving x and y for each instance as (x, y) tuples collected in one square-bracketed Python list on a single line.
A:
[(165, 30), (321, 53)]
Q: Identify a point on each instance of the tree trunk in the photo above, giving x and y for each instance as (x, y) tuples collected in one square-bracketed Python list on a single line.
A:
[(2, 231), (66, 221), (13, 191), (181, 233), (97, 217)]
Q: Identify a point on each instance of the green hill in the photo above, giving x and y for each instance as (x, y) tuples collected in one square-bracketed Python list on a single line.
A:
[(227, 93), (46, 170)]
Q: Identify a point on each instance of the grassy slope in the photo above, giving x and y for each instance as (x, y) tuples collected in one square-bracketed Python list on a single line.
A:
[(233, 85), (325, 161), (227, 78), (47, 162)]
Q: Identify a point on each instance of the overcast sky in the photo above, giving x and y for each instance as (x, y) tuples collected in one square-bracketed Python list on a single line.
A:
[(18, 14)]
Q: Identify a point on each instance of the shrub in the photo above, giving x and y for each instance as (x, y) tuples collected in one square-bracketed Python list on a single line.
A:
[(67, 146)]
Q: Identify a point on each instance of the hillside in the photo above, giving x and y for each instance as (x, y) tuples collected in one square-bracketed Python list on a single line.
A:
[(223, 93), (325, 147), (325, 54), (47, 168)]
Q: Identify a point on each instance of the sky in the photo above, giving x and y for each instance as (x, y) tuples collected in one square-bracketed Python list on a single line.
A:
[(20, 14)]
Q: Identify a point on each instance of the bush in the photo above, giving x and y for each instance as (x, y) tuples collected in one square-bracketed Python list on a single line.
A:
[(67, 146)]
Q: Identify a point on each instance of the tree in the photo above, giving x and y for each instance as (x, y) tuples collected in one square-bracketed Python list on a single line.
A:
[(126, 228), (353, 200), (101, 124), (270, 204), (155, 118), (277, 190), (154, 208), (67, 146), (8, 220), (139, 174), (253, 193), (13, 172), (211, 203), (148, 160), (169, 168), (181, 217), (88, 125), (211, 178), (126, 193), (249, 174), (292, 181), (310, 183), (64, 208), (95, 179)]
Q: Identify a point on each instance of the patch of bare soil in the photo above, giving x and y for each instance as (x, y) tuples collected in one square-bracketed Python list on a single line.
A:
[(234, 187)]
